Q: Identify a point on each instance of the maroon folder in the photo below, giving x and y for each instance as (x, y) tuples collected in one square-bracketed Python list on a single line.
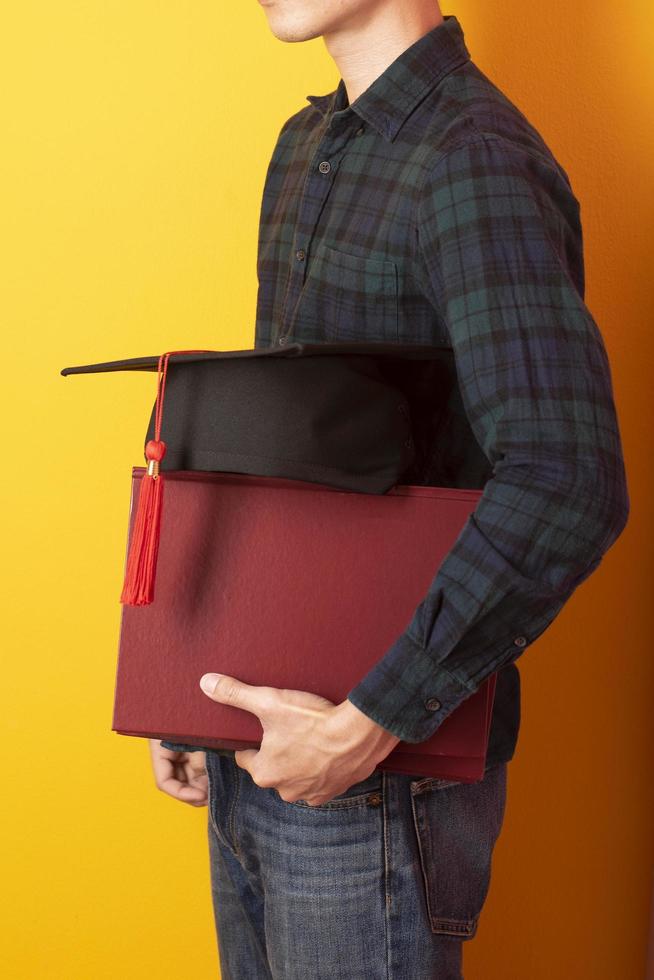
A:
[(291, 584)]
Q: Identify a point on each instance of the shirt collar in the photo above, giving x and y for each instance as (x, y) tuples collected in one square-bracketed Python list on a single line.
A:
[(390, 98)]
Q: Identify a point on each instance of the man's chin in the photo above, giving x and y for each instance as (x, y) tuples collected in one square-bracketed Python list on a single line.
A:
[(291, 30)]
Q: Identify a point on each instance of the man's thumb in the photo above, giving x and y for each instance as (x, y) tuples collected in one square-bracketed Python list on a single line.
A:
[(229, 690), (209, 682)]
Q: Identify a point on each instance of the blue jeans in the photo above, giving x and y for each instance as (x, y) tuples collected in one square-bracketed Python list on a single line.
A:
[(384, 882)]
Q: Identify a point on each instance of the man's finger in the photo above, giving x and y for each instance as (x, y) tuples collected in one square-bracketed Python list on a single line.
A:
[(229, 690), (183, 791), (166, 779), (166, 765), (245, 757)]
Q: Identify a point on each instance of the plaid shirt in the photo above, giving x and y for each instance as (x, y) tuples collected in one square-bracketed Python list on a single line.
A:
[(431, 211)]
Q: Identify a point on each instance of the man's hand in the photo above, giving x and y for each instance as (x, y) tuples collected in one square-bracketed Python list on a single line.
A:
[(311, 749), (180, 774)]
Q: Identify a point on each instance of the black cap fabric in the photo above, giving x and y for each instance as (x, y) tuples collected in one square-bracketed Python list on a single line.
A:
[(326, 413)]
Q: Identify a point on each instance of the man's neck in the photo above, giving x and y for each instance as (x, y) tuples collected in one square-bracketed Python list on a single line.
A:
[(362, 50)]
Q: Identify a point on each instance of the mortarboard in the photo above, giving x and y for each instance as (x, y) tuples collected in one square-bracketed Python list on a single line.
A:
[(329, 413)]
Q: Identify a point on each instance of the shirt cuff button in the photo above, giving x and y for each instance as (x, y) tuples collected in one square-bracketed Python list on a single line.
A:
[(520, 641), (432, 704)]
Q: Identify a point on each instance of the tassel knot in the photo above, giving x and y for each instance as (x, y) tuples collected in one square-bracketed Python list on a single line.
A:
[(155, 450)]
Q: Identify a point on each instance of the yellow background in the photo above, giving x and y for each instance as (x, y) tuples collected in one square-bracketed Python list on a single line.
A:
[(135, 140)]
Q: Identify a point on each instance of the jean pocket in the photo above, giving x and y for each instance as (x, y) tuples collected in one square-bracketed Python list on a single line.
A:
[(221, 794), (211, 799), (367, 792), (456, 826)]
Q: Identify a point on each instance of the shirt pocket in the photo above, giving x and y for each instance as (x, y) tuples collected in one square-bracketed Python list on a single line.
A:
[(348, 297), (456, 826)]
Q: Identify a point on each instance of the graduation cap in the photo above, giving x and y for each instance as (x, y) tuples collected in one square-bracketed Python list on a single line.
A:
[(330, 413)]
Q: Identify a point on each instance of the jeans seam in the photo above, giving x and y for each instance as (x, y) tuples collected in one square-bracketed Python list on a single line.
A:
[(423, 871), (232, 816), (385, 792), (210, 800)]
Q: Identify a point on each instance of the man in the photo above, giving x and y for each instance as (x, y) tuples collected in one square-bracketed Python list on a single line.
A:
[(416, 203)]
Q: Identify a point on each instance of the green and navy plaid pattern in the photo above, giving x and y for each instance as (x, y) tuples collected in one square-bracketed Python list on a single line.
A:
[(431, 211)]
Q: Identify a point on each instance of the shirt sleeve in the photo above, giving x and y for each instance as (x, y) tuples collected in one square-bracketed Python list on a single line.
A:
[(500, 243)]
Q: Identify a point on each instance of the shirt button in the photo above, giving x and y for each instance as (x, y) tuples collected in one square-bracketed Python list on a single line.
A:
[(324, 167), (520, 641), (281, 340), (432, 704), (300, 254)]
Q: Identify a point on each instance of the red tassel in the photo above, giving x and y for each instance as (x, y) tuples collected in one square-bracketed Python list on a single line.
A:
[(141, 567), (138, 588)]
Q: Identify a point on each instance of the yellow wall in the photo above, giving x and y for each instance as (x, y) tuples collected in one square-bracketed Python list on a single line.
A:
[(135, 139)]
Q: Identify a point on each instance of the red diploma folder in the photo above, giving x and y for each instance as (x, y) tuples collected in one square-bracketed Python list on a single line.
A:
[(291, 584)]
